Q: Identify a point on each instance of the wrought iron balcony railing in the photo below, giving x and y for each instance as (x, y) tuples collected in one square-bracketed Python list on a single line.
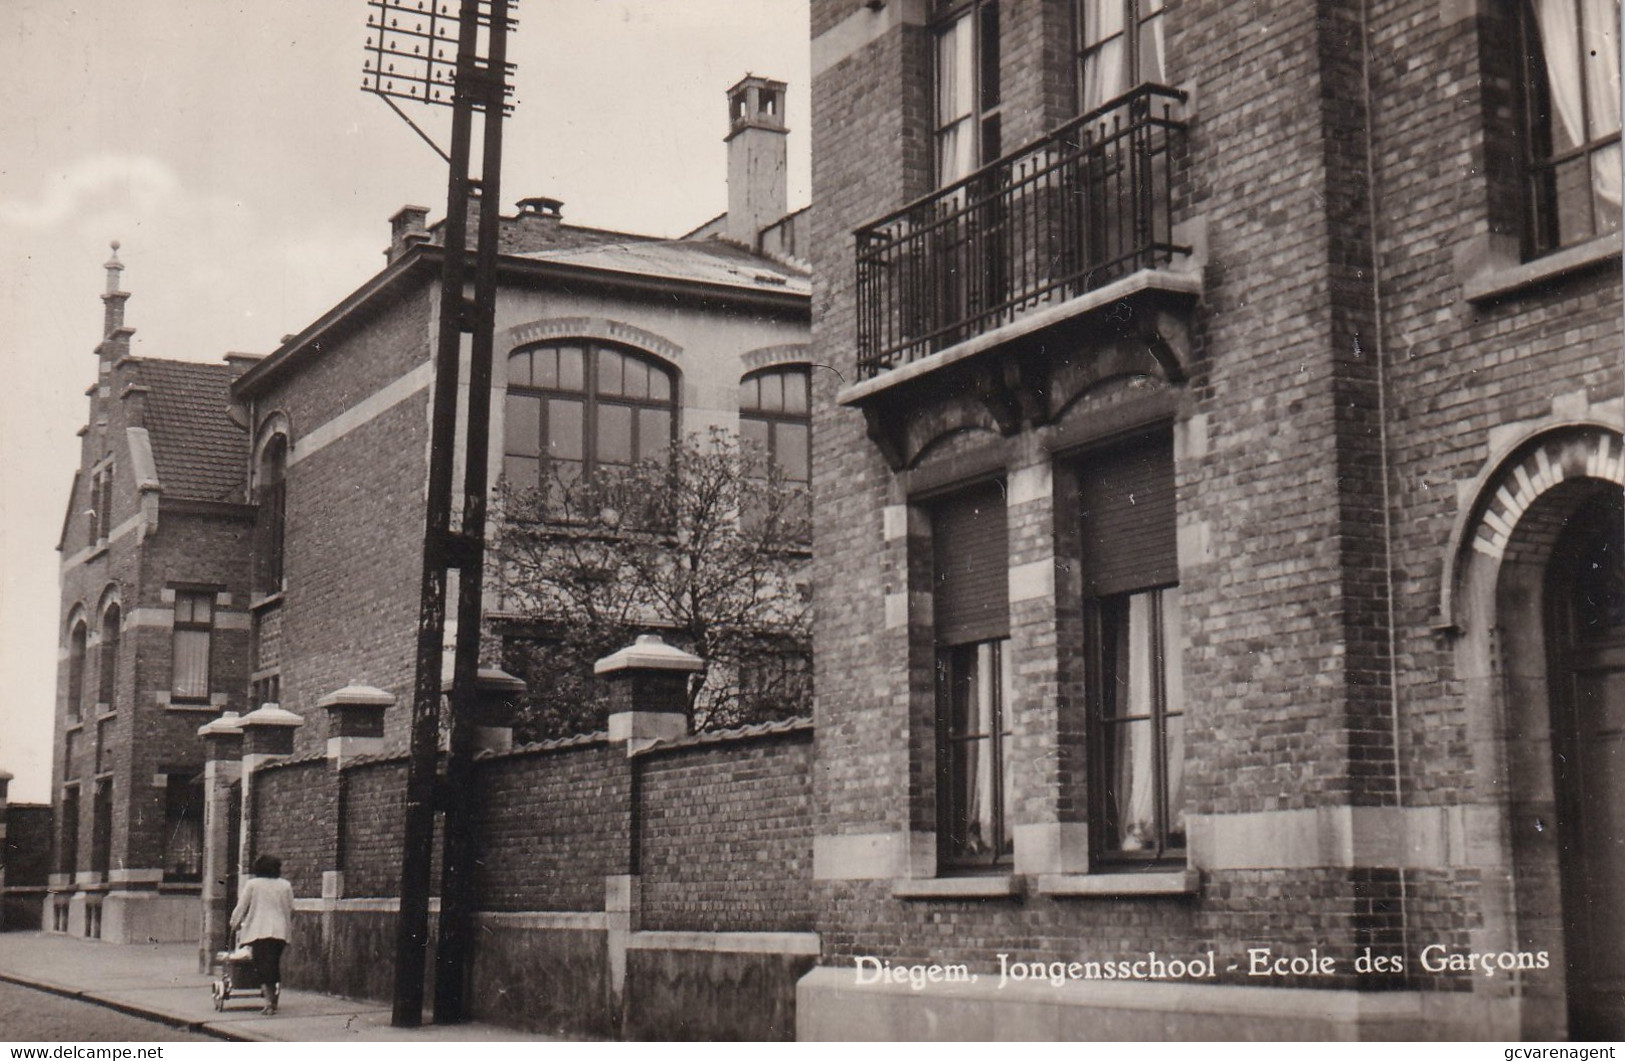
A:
[(1066, 214)]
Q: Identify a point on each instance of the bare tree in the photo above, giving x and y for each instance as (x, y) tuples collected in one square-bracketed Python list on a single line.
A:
[(707, 548)]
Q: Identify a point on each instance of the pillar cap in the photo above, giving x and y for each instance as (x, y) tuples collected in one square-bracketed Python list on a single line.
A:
[(356, 695), (6, 775), (649, 652), (226, 725), (491, 680), (271, 715)]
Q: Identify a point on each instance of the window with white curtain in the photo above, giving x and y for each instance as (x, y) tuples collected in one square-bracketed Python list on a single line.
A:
[(1130, 569), (194, 637), (967, 119), (971, 615), (1140, 727), (1570, 51), (1119, 47)]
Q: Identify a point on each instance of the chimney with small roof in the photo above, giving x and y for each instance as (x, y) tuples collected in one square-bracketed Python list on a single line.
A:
[(408, 228), (757, 175)]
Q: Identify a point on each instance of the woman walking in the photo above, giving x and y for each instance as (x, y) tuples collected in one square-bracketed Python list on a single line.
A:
[(263, 920)]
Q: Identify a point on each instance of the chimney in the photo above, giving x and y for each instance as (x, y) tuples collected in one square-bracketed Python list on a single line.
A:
[(409, 227), (757, 191), (536, 227)]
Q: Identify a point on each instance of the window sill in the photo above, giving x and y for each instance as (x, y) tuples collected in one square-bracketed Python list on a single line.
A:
[(1499, 282), (993, 887), (258, 601), (1119, 885), (97, 551)]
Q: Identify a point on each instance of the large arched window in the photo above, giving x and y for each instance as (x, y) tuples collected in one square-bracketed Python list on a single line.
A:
[(270, 493), (108, 678), (576, 408), (77, 637), (774, 413)]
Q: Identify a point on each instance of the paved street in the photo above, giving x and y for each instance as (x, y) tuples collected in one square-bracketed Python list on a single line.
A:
[(27, 1015), (162, 979)]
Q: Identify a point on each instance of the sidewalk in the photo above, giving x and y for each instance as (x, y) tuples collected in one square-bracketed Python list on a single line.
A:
[(160, 981)]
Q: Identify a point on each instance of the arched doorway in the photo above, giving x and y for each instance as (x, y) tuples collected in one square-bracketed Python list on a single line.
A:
[(1541, 613), (1585, 636)]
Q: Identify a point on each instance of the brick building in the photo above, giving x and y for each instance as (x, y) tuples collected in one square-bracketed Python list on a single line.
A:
[(1218, 517), (609, 347), (238, 534), (154, 635)]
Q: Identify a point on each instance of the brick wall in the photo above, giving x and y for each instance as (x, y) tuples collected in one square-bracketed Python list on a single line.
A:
[(719, 827), (372, 828), (554, 822), (725, 834), (28, 844), (354, 516), (294, 820)]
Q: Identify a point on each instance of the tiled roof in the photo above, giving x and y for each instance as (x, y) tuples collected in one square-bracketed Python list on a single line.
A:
[(201, 455), (703, 260)]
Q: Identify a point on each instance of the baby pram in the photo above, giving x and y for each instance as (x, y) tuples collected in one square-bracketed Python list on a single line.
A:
[(236, 975)]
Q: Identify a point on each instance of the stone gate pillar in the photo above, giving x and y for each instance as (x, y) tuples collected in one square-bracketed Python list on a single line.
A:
[(648, 691), (222, 769), (648, 701), (267, 738)]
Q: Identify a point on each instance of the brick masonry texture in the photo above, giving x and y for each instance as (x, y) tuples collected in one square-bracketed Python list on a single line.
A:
[(720, 832), (28, 844), (370, 822), (294, 820), (1345, 165), (195, 537), (554, 824), (347, 613), (725, 835)]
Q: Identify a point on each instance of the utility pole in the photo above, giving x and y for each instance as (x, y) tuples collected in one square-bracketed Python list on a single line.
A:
[(407, 49)]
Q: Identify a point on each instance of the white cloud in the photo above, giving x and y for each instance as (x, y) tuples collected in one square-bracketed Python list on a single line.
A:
[(136, 183)]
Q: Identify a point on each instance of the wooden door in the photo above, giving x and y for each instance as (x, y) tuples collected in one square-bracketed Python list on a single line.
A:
[(1591, 793), (1586, 591)]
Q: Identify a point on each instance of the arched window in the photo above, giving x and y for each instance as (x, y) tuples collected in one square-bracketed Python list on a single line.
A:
[(575, 408), (108, 684), (775, 413), (76, 670), (270, 493)]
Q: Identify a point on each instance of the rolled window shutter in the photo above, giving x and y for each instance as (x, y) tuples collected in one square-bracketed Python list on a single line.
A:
[(1128, 518), (971, 594)]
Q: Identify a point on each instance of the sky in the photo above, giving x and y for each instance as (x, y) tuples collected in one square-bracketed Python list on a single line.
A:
[(228, 148)]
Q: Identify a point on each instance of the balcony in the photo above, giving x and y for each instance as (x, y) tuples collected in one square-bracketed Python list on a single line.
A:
[(1075, 212)]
